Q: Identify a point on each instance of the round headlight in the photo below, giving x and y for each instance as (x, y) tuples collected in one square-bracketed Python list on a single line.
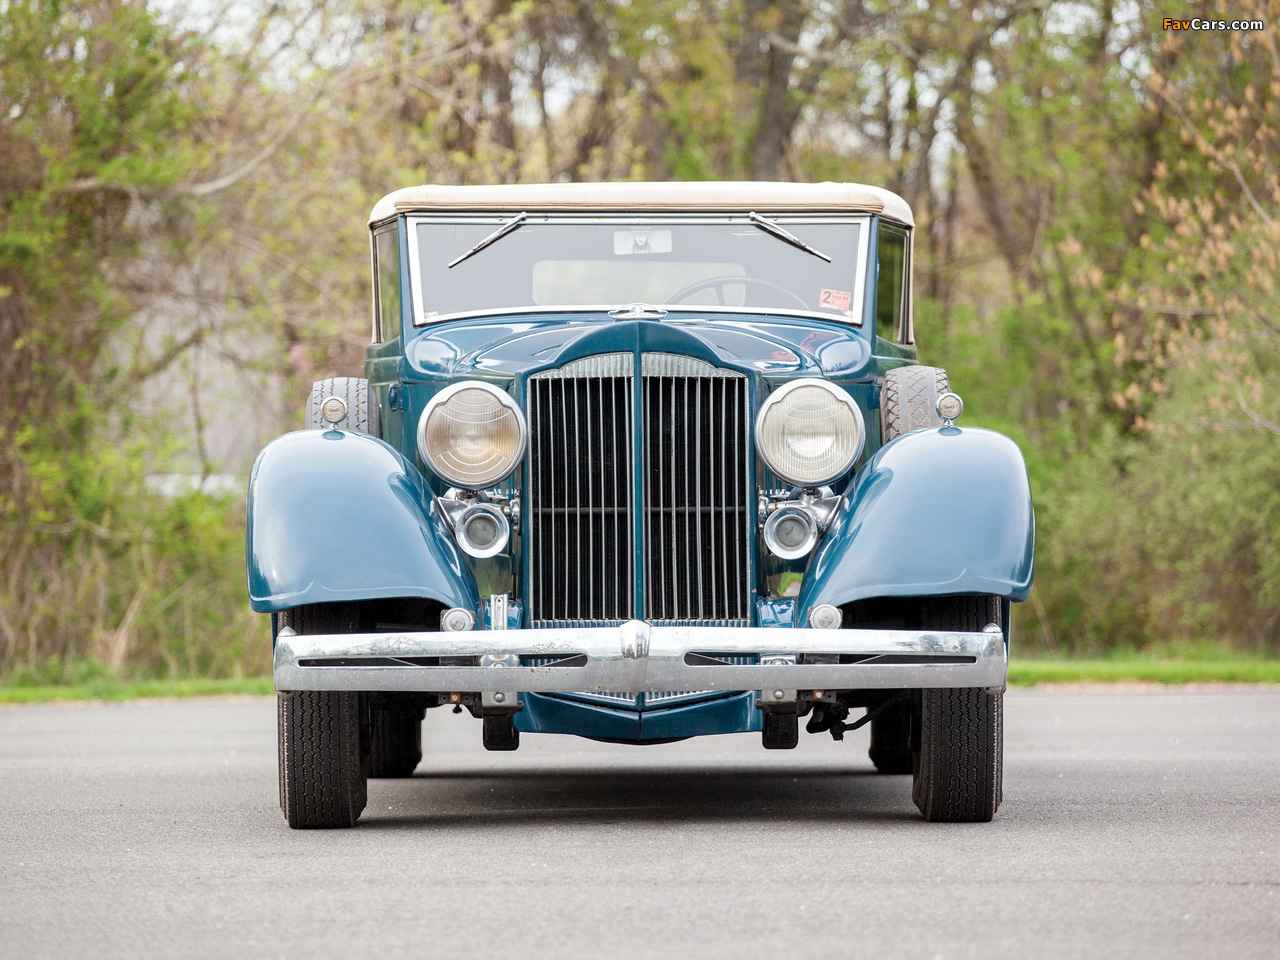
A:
[(472, 435), (809, 432)]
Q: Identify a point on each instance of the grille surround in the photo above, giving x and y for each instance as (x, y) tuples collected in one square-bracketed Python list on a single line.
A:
[(656, 453)]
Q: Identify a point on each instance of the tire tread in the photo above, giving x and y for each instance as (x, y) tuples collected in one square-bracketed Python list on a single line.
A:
[(363, 415), (909, 399), (959, 768), (321, 759)]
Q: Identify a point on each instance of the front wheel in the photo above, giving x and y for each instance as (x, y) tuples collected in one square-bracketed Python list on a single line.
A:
[(959, 754), (323, 736), (322, 780)]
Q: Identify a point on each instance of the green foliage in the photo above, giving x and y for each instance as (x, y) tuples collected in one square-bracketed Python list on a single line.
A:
[(1168, 538), (113, 575), (98, 109)]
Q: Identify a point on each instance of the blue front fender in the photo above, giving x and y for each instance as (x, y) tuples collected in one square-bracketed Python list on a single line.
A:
[(339, 516), (934, 512)]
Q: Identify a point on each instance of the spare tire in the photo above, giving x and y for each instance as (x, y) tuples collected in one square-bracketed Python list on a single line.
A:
[(362, 409)]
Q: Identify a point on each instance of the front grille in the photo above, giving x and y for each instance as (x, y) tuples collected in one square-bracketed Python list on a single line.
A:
[(582, 488), (695, 497), (694, 491)]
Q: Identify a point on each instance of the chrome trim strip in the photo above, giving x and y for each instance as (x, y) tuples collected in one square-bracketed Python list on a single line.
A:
[(584, 624), (628, 476), (638, 656), (682, 308)]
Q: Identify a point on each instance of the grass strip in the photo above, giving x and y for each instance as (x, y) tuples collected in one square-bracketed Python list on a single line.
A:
[(1027, 673), (107, 689)]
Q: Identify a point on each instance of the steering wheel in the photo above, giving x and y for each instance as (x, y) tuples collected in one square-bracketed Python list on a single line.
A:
[(720, 284)]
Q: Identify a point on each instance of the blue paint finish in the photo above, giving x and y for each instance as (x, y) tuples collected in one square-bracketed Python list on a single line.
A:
[(542, 714), (505, 347), (776, 612), (545, 714), (934, 512), (339, 516), (737, 714)]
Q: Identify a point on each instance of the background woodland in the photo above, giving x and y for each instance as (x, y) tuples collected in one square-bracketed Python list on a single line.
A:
[(184, 187)]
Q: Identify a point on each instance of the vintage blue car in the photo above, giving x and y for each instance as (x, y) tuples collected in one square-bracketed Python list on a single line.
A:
[(640, 462)]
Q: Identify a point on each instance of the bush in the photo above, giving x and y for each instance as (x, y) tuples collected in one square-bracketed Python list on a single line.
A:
[(1164, 538), (99, 575)]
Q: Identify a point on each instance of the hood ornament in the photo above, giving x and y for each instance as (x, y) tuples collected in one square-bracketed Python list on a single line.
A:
[(637, 311)]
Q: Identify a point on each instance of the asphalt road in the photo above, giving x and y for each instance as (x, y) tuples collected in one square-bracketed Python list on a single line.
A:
[(1135, 824)]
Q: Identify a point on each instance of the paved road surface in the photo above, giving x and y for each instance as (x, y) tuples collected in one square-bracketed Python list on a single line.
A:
[(1135, 824)]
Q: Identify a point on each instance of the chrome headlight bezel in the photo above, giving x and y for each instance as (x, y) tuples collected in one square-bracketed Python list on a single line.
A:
[(433, 459), (770, 456)]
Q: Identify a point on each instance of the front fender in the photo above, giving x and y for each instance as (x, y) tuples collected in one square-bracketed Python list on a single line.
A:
[(337, 516), (934, 512)]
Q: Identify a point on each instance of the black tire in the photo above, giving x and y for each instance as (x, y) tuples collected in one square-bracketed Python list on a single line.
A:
[(959, 758), (395, 741), (891, 741), (363, 415), (909, 400), (322, 736)]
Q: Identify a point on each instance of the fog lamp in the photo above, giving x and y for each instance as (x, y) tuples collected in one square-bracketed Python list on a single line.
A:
[(482, 530), (790, 533)]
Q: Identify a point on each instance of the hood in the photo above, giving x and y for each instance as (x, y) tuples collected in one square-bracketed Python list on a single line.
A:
[(517, 345)]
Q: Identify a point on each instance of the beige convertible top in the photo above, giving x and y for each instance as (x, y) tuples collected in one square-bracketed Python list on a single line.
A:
[(636, 197)]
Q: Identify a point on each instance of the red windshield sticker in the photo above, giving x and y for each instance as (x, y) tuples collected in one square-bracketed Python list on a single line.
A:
[(835, 299)]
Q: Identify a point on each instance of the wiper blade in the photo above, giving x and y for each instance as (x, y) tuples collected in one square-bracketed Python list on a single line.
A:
[(768, 226), (494, 237)]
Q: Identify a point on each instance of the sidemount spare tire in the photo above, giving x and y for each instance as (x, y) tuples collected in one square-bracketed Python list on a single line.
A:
[(909, 400), (362, 409)]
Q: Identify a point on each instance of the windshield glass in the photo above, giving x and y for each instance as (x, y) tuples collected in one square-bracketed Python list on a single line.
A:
[(723, 261)]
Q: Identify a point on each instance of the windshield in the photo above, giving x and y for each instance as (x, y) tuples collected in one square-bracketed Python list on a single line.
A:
[(513, 262)]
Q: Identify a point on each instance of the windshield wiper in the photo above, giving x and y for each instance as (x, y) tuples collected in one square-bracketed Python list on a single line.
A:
[(768, 226), (494, 237)]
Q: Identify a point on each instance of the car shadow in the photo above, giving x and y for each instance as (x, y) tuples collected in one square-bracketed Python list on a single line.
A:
[(513, 798)]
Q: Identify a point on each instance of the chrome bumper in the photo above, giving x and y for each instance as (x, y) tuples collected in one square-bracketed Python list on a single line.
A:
[(638, 657)]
